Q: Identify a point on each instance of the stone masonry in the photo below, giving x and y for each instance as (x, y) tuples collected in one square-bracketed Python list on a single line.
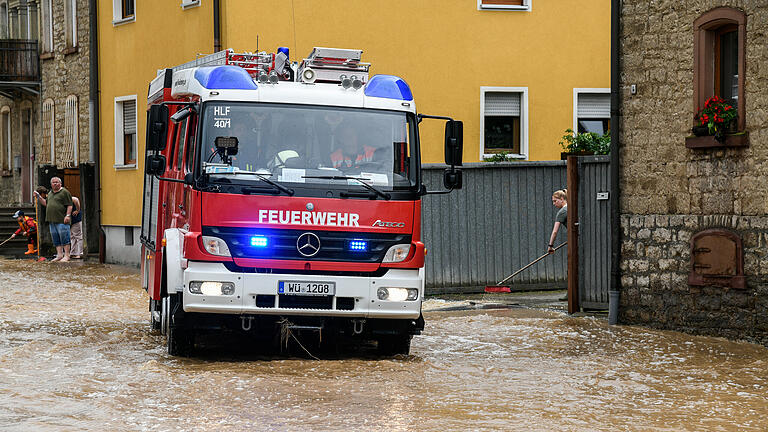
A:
[(670, 192)]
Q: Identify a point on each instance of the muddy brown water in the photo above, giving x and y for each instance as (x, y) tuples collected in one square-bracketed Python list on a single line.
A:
[(76, 354)]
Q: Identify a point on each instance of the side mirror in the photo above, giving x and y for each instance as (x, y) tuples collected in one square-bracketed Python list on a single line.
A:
[(454, 142), (155, 164), (452, 179), (157, 127)]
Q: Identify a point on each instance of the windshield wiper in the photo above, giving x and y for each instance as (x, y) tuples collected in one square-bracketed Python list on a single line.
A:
[(265, 179), (365, 184)]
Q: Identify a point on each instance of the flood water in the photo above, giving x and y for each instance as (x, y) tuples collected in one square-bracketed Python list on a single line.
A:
[(76, 354)]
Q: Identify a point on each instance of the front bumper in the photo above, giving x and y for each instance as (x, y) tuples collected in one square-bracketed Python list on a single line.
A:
[(257, 293)]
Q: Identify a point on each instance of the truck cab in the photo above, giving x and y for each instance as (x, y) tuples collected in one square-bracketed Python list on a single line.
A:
[(285, 198)]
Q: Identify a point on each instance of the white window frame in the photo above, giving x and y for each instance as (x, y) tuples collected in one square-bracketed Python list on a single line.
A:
[(526, 6), (46, 26), (523, 120), (71, 22), (6, 129), (120, 135), (188, 4), (117, 13), (576, 93)]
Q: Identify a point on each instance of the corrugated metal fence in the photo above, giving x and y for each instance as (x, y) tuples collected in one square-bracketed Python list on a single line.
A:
[(499, 222)]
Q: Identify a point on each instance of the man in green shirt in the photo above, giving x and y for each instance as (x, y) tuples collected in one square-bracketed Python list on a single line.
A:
[(58, 214)]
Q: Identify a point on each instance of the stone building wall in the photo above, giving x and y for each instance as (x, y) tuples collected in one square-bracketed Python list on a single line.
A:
[(66, 73), (670, 192)]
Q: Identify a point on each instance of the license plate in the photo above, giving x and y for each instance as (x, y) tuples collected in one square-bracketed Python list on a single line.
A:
[(306, 288)]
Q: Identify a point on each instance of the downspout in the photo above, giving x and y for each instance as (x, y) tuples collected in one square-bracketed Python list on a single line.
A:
[(615, 282), (216, 27), (93, 125)]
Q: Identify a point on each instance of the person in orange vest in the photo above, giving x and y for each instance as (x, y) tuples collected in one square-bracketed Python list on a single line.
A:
[(28, 226), (351, 153)]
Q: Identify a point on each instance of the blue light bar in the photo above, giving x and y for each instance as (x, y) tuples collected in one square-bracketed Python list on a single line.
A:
[(388, 86), (259, 241), (358, 245), (224, 77)]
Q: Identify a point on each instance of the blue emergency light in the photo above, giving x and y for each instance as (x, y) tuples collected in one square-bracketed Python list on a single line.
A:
[(259, 241), (224, 77), (358, 245), (388, 86)]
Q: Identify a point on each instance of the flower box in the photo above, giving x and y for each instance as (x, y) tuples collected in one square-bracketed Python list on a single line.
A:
[(709, 141)]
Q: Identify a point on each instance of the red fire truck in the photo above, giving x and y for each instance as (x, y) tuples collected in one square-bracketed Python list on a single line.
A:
[(284, 198)]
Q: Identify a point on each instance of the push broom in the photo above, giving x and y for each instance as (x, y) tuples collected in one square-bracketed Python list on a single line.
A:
[(500, 287)]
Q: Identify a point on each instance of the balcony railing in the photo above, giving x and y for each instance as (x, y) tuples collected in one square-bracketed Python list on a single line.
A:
[(19, 60)]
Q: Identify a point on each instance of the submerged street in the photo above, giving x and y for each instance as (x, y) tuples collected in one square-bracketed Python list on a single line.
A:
[(76, 353)]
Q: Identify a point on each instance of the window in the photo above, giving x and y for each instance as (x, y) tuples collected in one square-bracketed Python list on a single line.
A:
[(123, 11), (719, 61), (5, 140), (4, 21), (186, 4), (47, 26), (47, 148), (70, 24), (181, 140), (504, 121), (128, 236), (125, 132), (68, 156), (504, 5), (191, 142), (592, 110)]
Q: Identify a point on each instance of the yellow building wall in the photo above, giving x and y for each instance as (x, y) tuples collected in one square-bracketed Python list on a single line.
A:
[(130, 54), (445, 50)]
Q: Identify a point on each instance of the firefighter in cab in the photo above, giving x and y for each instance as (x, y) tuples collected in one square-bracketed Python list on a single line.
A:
[(28, 226)]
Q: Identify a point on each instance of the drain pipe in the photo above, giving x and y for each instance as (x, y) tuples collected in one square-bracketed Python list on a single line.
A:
[(615, 283), (216, 26), (93, 125)]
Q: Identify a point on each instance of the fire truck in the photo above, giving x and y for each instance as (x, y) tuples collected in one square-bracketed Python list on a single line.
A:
[(284, 198)]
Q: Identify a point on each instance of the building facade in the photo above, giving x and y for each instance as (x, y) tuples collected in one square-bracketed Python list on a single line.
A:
[(518, 73), (693, 209), (19, 99)]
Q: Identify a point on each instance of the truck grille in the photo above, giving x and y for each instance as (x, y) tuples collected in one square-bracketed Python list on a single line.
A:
[(282, 244)]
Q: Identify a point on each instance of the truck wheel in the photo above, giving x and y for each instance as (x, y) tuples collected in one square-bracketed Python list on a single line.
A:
[(180, 340), (155, 315), (393, 345)]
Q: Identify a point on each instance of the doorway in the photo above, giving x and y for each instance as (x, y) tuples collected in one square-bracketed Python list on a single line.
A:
[(27, 155)]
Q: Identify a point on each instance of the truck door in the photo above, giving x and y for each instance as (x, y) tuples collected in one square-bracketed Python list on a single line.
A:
[(179, 211)]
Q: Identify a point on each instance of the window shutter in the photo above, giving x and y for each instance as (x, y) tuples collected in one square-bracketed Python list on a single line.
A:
[(502, 104), (129, 117), (594, 105)]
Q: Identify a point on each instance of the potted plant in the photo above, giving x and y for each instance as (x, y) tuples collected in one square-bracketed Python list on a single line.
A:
[(716, 118), (586, 143)]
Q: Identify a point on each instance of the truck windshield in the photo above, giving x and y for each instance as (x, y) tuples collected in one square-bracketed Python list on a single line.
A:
[(310, 146)]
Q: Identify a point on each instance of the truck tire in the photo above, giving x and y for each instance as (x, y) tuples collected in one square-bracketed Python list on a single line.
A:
[(393, 345), (180, 340), (155, 315)]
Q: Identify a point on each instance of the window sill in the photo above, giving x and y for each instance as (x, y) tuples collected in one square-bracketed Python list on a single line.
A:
[(46, 56), (709, 141), (125, 167), (509, 156), (70, 50), (122, 21)]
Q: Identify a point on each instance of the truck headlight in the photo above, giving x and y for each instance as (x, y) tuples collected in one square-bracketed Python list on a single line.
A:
[(397, 253), (211, 288), (397, 294), (216, 246)]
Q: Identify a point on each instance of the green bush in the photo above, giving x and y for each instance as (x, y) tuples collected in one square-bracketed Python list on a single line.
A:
[(589, 142), (498, 157)]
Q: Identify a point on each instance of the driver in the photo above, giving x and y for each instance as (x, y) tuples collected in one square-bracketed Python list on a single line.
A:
[(351, 153)]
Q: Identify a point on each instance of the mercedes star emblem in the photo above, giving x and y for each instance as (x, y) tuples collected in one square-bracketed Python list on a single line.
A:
[(308, 244), (310, 206)]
